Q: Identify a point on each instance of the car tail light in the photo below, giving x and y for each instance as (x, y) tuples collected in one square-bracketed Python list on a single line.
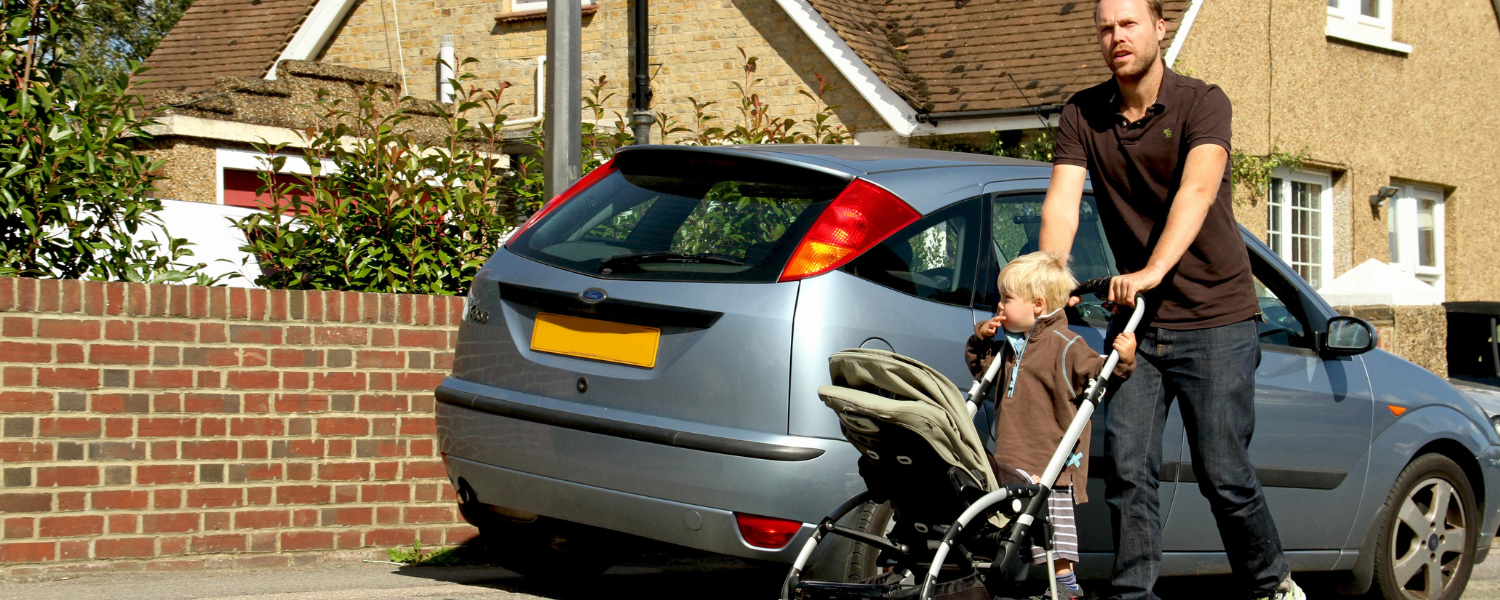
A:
[(600, 172), (767, 532), (863, 215)]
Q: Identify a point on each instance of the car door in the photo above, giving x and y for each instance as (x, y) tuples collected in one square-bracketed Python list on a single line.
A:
[(1312, 428), (1013, 221)]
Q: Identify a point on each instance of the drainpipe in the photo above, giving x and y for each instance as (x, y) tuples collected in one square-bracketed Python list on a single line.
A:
[(563, 120), (446, 58), (640, 93)]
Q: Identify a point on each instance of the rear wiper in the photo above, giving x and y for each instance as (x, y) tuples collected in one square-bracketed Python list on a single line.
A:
[(629, 260)]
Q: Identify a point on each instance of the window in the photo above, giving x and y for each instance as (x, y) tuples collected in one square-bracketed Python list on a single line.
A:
[(933, 258), (521, 5), (1015, 230), (1281, 319), (1365, 22), (1299, 223), (1415, 221)]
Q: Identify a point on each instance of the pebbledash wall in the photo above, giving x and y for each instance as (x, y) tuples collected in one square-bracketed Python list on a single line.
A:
[(180, 427)]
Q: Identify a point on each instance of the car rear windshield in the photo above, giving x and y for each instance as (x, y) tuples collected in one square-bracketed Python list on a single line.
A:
[(683, 216)]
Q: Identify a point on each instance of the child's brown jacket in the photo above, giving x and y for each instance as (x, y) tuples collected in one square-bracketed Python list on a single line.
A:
[(1032, 415)]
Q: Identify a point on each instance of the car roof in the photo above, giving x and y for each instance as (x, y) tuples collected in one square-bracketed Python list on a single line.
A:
[(856, 160)]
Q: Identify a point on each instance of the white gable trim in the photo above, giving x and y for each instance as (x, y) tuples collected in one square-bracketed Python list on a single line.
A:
[(896, 113), (314, 32), (1182, 32)]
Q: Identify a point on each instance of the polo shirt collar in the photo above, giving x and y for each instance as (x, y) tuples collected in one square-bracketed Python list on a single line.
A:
[(1169, 80)]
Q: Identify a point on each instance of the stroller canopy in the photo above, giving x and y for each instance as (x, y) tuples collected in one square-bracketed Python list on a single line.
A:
[(885, 387)]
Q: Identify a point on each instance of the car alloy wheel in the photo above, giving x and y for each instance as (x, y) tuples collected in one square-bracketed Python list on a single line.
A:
[(1427, 544), (1427, 550)]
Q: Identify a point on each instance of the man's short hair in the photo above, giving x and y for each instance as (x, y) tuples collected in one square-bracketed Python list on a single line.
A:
[(1153, 5), (1042, 275)]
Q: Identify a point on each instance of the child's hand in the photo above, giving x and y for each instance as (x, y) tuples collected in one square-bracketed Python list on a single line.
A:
[(1125, 344), (988, 328)]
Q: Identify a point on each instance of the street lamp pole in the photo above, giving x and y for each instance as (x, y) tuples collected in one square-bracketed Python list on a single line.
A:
[(640, 93), (563, 121)]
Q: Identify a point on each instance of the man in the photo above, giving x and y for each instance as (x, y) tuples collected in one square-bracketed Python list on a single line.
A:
[(1156, 145)]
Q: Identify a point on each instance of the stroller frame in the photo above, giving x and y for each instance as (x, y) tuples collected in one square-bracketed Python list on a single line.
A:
[(1018, 529)]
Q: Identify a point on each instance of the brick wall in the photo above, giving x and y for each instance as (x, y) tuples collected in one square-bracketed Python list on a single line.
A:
[(172, 427)]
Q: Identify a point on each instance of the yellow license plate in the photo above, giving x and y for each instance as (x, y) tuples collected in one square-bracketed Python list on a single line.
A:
[(597, 340)]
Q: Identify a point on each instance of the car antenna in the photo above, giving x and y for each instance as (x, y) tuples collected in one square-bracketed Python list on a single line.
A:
[(1034, 107)]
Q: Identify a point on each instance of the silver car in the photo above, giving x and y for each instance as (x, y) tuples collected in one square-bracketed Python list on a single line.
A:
[(642, 357)]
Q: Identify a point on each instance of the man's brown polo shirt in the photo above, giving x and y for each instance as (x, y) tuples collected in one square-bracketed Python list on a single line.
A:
[(1136, 169)]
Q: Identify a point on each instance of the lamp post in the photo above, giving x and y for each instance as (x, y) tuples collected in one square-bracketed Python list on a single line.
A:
[(563, 121), (640, 93)]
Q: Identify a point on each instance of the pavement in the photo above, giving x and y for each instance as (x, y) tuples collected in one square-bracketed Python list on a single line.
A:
[(670, 573)]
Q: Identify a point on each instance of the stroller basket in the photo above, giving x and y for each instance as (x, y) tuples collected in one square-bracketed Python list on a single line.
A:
[(961, 518)]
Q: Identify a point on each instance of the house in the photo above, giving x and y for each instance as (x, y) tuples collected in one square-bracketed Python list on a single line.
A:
[(1367, 93)]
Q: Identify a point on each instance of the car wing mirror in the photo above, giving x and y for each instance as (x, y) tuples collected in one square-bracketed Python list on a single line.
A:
[(1347, 336)]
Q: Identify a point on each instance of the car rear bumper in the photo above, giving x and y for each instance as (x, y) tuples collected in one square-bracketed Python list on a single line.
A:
[(655, 478)]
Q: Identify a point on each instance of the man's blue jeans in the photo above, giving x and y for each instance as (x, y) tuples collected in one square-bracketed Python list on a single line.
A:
[(1212, 372)]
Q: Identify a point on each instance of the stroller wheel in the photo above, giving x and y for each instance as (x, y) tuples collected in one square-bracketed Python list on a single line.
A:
[(870, 518)]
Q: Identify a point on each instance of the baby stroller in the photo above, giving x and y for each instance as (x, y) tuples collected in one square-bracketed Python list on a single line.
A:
[(961, 519)]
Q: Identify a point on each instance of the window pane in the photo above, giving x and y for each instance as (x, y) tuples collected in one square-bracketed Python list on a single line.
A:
[(1333, 3), (1393, 235), (932, 258), (1015, 229), (1426, 233), (1307, 235), (1273, 217), (1370, 8), (1278, 324)]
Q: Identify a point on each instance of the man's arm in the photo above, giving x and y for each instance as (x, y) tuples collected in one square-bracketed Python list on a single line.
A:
[(1201, 174), (1060, 209)]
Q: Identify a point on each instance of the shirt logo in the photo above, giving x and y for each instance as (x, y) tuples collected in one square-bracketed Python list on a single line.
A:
[(1167, 132)]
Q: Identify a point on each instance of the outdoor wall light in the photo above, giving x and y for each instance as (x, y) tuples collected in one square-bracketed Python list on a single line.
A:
[(1386, 193)]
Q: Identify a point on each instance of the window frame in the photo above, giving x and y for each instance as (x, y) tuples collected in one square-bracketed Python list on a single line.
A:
[(1346, 22), (1401, 227), (1282, 246), (531, 5)]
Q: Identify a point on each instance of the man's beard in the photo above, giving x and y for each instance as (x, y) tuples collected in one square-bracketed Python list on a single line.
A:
[(1139, 64)]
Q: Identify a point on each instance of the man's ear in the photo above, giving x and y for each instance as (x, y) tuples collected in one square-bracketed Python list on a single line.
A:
[(1161, 31)]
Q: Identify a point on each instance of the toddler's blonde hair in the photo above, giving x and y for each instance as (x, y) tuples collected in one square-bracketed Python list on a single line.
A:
[(1042, 275)]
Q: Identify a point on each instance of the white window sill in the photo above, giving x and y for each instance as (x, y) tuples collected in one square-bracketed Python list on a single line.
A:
[(1373, 42)]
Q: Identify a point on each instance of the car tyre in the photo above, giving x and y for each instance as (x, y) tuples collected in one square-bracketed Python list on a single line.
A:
[(1426, 543)]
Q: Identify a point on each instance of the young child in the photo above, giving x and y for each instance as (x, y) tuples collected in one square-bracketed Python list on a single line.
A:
[(1044, 368)]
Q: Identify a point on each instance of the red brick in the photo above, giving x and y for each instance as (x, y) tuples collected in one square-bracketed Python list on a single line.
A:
[(120, 500), (214, 450), (343, 426), (306, 540), (303, 494), (254, 357), (254, 380), (67, 329), (341, 336), (212, 333), (163, 474), (380, 359), (119, 331), (121, 403), (390, 492), (390, 537), (423, 338), (165, 379), (344, 471), (12, 452), (16, 327), (383, 337), (291, 357), (261, 519), (424, 470), (125, 548), (418, 426), (211, 403), (383, 403), (210, 357), (256, 427), (167, 331), (255, 334), (169, 523), (177, 306), (67, 476), (258, 303), (255, 449), (429, 514), (25, 293), (126, 523), (167, 499), (69, 354), (299, 472), (419, 381), (348, 516), (68, 427), (341, 447), (27, 552), (174, 546), (205, 544), (339, 381), (67, 378), (25, 402), (117, 450), (460, 535), (260, 496), (198, 302), (17, 377), (119, 427), (20, 528), (164, 450), (212, 427), (298, 336), (383, 426), (24, 503), (351, 306), (70, 526), (166, 427), (8, 287), (19, 352), (114, 297), (255, 472), (297, 449), (257, 403), (100, 354)]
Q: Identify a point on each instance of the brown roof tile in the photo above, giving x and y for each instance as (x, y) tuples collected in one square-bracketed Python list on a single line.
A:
[(219, 38), (960, 55)]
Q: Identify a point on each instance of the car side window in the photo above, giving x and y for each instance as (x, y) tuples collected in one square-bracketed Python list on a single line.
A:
[(933, 259), (1015, 230), (1280, 318)]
